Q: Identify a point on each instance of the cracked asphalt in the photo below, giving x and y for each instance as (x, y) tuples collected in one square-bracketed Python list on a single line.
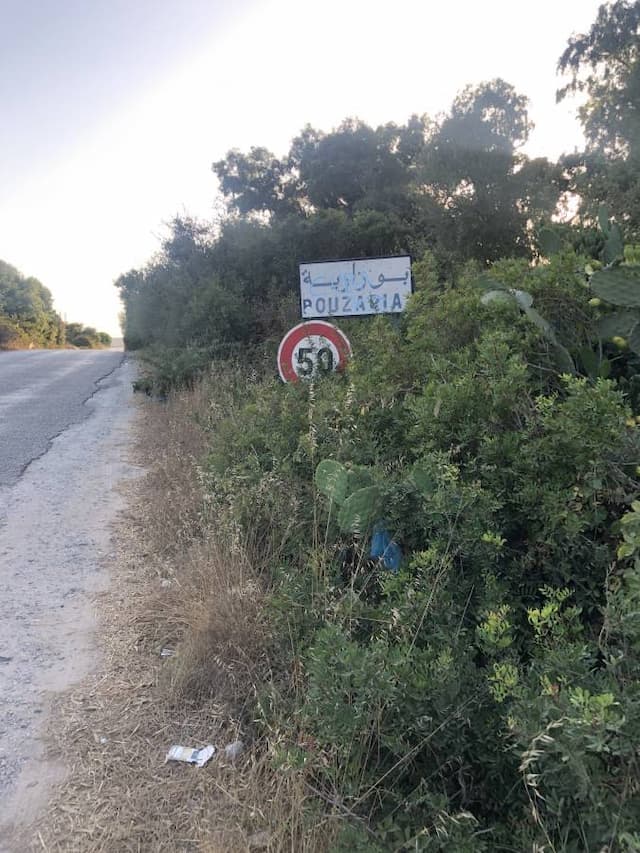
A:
[(42, 392), (65, 427)]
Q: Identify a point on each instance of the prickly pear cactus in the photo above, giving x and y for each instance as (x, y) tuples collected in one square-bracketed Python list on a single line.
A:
[(360, 510), (620, 323), (524, 301), (621, 328), (613, 242), (422, 478), (613, 245), (358, 477), (550, 242), (337, 482), (332, 480), (618, 285)]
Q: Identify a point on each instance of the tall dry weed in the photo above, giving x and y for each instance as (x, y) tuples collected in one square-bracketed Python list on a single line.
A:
[(188, 581)]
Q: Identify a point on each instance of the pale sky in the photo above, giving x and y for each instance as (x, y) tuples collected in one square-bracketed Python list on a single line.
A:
[(112, 111)]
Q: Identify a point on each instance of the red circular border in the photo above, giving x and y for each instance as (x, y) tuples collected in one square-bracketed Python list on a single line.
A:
[(303, 330)]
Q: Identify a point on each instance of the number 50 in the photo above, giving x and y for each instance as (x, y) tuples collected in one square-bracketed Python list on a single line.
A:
[(312, 361)]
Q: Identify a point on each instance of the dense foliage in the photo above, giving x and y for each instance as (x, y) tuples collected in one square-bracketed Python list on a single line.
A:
[(26, 312), (451, 529), (485, 695), (605, 65), (27, 317), (79, 335), (459, 187)]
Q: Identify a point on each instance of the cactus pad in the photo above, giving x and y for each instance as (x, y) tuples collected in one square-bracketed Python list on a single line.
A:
[(360, 510), (331, 480), (619, 286)]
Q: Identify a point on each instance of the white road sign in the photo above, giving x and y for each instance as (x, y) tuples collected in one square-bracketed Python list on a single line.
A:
[(355, 287)]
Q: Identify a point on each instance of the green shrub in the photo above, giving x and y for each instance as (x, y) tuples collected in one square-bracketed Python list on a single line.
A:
[(11, 336), (486, 695), (164, 370)]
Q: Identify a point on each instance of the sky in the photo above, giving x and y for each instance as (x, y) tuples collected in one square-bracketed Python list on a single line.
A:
[(112, 111)]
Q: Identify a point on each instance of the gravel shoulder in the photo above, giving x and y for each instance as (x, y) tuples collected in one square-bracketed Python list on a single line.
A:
[(55, 555)]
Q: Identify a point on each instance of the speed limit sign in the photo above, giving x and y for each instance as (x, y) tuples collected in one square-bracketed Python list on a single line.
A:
[(310, 349)]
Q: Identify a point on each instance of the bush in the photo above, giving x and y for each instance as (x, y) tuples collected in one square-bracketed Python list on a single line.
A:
[(485, 694), (11, 337), (164, 370), (82, 341), (86, 337)]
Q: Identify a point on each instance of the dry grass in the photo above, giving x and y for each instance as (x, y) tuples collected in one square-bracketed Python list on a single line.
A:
[(182, 584)]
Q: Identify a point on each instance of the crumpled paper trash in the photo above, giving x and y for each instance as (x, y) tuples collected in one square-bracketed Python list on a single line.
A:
[(190, 755)]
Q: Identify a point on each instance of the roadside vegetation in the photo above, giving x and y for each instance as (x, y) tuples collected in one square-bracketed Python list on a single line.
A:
[(27, 317), (485, 694)]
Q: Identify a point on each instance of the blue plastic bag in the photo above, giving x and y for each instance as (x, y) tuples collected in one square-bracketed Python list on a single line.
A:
[(385, 549)]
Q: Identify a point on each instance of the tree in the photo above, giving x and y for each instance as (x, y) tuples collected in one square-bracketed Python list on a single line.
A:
[(79, 335), (491, 194), (256, 182), (27, 315), (488, 117), (458, 187), (28, 304), (604, 64), (355, 166)]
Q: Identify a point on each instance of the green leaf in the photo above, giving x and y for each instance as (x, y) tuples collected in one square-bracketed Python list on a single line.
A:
[(524, 299), (603, 218), (594, 366), (564, 360), (423, 479), (625, 550), (590, 362), (332, 479), (620, 286), (538, 320), (614, 245), (619, 323), (634, 339), (487, 282), (496, 296), (358, 477), (360, 510), (550, 242), (563, 357)]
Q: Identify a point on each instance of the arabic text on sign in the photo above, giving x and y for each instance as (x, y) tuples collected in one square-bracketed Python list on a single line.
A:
[(347, 288)]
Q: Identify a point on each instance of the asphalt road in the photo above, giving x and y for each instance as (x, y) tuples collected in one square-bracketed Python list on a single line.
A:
[(42, 392), (65, 444)]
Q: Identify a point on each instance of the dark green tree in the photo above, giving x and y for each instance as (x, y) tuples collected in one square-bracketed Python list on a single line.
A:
[(257, 182), (458, 187), (604, 64), (28, 305), (356, 166), (472, 167)]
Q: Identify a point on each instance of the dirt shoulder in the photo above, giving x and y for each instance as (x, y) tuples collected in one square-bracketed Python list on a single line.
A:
[(170, 588), (55, 554)]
